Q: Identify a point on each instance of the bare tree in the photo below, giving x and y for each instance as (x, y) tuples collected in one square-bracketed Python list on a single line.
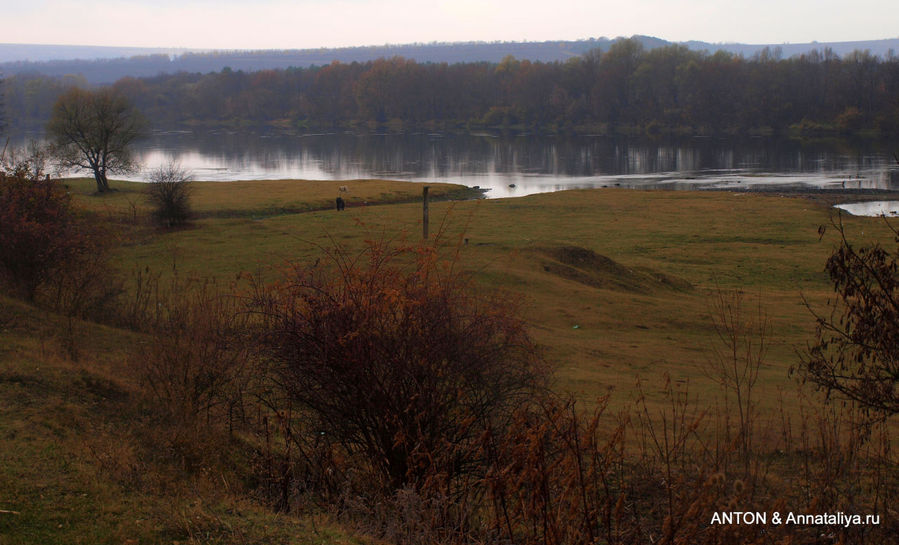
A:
[(94, 130), (743, 336)]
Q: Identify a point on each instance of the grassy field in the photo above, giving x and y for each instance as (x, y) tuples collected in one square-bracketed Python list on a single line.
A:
[(256, 198), (615, 284)]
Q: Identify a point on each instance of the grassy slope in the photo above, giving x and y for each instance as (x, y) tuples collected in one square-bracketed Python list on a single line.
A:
[(64, 468), (69, 472), (74, 437)]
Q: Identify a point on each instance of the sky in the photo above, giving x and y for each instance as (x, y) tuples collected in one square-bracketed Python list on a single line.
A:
[(299, 24)]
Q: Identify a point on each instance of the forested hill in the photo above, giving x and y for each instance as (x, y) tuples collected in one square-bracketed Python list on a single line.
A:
[(102, 65), (625, 89)]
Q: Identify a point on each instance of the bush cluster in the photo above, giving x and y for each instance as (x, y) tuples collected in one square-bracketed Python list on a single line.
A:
[(169, 193), (42, 238)]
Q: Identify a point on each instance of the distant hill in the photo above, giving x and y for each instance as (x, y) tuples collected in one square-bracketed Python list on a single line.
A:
[(37, 53), (149, 63), (101, 65), (881, 48)]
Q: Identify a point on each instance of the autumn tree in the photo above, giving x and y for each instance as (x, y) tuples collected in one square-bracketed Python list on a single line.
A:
[(94, 130)]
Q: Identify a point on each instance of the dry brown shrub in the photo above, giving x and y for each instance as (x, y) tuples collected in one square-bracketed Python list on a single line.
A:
[(394, 355), (195, 364)]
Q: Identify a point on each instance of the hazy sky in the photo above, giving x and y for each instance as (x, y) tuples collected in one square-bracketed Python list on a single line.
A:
[(263, 24)]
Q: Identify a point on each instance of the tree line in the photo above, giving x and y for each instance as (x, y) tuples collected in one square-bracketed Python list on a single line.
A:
[(625, 89)]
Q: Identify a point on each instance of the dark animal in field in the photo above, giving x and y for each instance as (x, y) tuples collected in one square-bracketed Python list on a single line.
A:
[(341, 204)]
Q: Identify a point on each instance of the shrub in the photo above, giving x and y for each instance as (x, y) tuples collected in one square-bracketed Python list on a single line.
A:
[(169, 193), (39, 232), (194, 363), (401, 364), (856, 349)]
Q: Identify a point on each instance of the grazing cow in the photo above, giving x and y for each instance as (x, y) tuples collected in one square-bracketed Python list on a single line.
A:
[(343, 188)]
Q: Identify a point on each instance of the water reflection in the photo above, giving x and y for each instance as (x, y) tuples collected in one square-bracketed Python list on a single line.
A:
[(872, 208), (532, 164)]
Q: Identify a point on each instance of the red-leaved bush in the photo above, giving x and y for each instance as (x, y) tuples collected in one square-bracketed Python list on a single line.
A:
[(40, 234)]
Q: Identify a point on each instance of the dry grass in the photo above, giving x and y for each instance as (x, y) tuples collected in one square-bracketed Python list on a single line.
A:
[(83, 461), (600, 332), (83, 458)]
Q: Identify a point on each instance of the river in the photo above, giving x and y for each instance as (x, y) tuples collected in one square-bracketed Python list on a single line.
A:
[(508, 166)]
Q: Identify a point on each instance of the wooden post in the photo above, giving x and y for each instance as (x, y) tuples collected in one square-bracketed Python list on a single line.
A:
[(424, 212)]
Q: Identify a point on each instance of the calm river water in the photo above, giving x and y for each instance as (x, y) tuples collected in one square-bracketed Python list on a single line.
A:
[(521, 165)]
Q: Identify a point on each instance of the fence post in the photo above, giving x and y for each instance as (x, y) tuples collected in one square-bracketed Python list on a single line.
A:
[(424, 212)]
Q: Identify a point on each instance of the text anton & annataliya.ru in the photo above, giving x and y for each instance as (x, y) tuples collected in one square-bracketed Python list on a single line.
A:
[(827, 519)]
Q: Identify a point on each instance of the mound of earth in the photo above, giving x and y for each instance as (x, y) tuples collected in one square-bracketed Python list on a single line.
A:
[(589, 268)]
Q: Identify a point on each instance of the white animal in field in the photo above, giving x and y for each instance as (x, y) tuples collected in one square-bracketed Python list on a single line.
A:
[(343, 188)]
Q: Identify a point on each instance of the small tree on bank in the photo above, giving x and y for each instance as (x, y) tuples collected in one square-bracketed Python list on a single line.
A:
[(169, 193), (94, 130)]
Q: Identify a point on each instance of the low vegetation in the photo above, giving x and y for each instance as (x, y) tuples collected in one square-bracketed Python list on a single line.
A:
[(545, 370), (169, 194), (44, 241)]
